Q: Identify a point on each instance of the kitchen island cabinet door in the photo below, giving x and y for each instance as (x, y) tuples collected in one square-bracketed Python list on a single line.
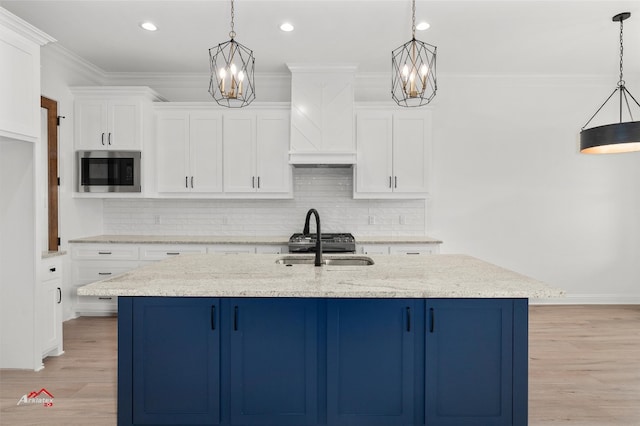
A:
[(371, 358), (176, 360), (273, 363), (469, 363)]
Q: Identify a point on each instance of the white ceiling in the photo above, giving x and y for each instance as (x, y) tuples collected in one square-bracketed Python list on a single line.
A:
[(522, 37)]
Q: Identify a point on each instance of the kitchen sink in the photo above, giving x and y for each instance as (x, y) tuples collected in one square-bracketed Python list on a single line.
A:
[(329, 261)]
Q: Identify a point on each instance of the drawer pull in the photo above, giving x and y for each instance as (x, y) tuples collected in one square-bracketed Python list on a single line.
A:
[(104, 273), (52, 269), (413, 252), (173, 253), (105, 298), (104, 252)]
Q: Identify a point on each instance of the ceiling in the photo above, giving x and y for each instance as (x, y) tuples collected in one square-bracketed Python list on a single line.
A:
[(473, 37)]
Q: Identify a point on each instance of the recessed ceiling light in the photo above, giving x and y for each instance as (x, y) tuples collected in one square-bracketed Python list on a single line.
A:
[(149, 26), (422, 26), (286, 27)]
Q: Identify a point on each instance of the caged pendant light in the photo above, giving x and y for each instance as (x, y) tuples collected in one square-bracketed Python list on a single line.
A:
[(413, 68), (618, 137), (232, 81)]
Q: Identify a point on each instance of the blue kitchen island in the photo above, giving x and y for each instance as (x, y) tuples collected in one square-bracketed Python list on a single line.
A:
[(245, 340)]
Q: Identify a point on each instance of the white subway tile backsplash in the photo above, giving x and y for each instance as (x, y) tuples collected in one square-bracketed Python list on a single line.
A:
[(327, 190)]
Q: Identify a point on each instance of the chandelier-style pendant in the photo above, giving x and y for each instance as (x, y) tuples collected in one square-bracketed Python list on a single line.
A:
[(232, 72), (413, 68)]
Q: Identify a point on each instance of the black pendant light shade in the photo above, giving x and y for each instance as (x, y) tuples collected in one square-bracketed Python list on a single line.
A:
[(617, 137), (611, 138)]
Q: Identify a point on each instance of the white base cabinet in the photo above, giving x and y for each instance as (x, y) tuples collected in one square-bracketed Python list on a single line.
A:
[(408, 249), (50, 307)]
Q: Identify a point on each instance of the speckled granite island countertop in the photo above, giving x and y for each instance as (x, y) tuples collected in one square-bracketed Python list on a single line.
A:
[(215, 239), (211, 275)]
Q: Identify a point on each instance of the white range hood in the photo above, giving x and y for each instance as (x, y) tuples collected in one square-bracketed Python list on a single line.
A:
[(322, 115)]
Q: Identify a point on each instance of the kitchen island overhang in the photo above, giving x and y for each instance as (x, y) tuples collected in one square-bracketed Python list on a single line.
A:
[(239, 339)]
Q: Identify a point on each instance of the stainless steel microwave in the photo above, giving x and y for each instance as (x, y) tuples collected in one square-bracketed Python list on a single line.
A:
[(108, 171)]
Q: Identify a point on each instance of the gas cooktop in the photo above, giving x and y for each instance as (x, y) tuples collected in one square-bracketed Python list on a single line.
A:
[(331, 243)]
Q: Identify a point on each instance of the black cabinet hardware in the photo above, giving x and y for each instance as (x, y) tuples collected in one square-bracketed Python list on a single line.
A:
[(235, 318), (213, 317), (408, 319), (104, 252), (59, 295), (104, 273), (432, 320), (52, 269)]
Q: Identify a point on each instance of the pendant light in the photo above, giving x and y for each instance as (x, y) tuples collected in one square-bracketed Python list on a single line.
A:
[(413, 68), (232, 81), (617, 137)]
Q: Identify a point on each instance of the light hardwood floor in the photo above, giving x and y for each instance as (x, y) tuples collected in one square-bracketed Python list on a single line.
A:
[(584, 370)]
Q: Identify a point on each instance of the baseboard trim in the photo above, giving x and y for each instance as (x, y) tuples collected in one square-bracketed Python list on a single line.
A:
[(589, 299)]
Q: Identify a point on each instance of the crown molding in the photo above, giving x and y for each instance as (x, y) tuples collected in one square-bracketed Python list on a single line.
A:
[(25, 29), (74, 62)]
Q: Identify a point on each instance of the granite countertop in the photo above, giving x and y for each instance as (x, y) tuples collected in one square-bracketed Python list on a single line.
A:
[(215, 275), (50, 254), (202, 239)]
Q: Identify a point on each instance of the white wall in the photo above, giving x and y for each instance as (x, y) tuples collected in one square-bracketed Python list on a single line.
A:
[(511, 188)]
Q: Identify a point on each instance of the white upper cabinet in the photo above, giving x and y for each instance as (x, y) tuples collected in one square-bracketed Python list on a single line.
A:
[(20, 77), (108, 124), (393, 154), (189, 151), (256, 152), (111, 118), (322, 114)]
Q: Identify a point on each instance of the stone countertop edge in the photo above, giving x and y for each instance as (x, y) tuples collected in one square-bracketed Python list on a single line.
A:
[(214, 239), (50, 254), (247, 275)]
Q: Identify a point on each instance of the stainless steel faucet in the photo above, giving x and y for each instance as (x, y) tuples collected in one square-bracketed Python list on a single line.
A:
[(305, 231)]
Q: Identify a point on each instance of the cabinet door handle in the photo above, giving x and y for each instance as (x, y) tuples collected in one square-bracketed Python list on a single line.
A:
[(395, 182), (191, 181), (408, 319), (213, 317), (52, 269), (102, 139), (235, 318), (59, 295), (109, 138), (432, 320), (253, 181), (186, 181), (104, 273), (258, 182), (104, 252), (389, 181)]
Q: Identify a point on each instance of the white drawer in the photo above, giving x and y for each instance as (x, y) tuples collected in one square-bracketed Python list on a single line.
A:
[(51, 268), (231, 249), (159, 252), (88, 272), (104, 252), (414, 249)]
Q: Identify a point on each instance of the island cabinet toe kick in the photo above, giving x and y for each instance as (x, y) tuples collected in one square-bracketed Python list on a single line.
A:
[(322, 361)]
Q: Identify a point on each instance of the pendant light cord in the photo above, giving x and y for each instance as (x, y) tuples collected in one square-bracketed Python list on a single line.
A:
[(232, 33), (413, 20), (621, 82)]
